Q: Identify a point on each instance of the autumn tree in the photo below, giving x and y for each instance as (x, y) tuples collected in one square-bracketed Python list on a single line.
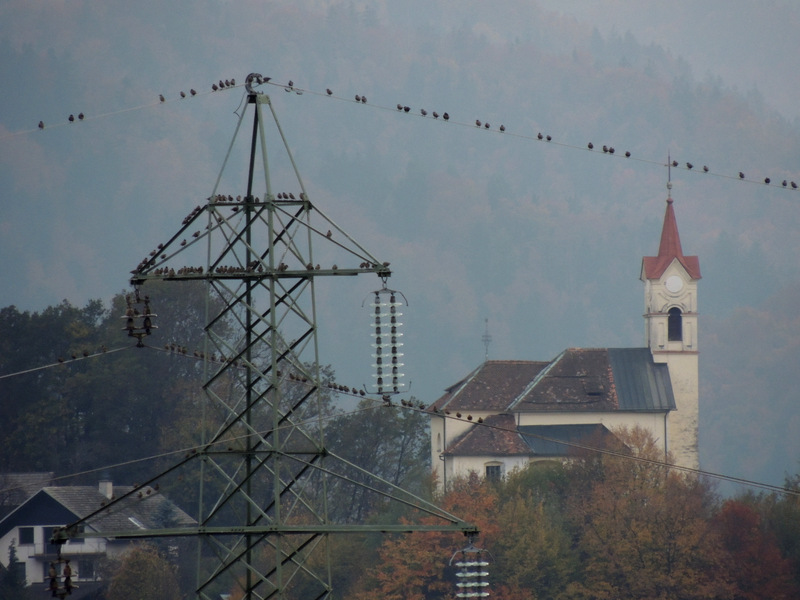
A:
[(143, 574), (533, 548), (642, 530), (389, 443), (412, 566), (755, 565)]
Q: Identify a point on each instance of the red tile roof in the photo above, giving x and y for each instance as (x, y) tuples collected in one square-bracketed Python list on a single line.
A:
[(490, 387), (496, 436), (580, 379), (669, 250)]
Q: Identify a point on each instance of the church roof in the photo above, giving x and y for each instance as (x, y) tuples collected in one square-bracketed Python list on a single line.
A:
[(669, 250), (496, 436), (577, 380), (491, 386), (599, 380), (564, 440)]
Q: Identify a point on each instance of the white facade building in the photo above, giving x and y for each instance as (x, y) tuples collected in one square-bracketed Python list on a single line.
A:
[(507, 413)]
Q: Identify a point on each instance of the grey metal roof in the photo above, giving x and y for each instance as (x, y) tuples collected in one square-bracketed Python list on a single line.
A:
[(564, 440), (641, 383)]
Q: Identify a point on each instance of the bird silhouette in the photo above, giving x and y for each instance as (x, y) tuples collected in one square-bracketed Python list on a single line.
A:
[(193, 92), (705, 169), (399, 107), (214, 87), (423, 112), (590, 145), (435, 115), (80, 116), (161, 97), (502, 127), (71, 118), (741, 175), (358, 98), (445, 116), (183, 94), (689, 166), (539, 135), (363, 99), (549, 138), (406, 108), (783, 183), (477, 123), (328, 91), (627, 154), (486, 125), (41, 124), (794, 185), (766, 180)]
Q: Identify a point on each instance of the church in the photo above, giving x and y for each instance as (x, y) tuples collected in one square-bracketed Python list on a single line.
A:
[(508, 413)]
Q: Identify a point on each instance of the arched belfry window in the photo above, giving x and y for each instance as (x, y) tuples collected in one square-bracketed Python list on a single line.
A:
[(675, 325)]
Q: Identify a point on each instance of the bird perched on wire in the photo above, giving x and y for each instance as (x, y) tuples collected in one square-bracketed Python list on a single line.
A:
[(161, 97), (41, 124), (502, 127), (328, 91), (71, 118), (192, 92), (446, 116)]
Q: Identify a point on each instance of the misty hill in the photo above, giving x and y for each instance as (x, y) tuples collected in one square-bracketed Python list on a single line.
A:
[(543, 239)]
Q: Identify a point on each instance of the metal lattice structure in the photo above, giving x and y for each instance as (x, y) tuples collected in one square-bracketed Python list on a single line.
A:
[(264, 470)]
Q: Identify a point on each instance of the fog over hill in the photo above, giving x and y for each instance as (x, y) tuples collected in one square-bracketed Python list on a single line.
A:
[(543, 239)]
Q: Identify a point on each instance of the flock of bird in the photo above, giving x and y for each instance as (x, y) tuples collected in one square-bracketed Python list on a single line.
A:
[(224, 84)]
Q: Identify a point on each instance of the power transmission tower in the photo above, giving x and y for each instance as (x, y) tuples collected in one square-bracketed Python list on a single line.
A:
[(264, 471)]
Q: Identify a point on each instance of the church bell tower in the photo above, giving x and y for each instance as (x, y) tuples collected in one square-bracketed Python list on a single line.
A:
[(670, 297)]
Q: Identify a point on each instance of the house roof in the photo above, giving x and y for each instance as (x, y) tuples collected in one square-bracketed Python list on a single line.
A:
[(599, 379), (490, 387), (64, 504), (497, 435), (563, 440), (669, 250)]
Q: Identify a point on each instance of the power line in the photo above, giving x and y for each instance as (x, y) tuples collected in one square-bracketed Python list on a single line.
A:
[(445, 117)]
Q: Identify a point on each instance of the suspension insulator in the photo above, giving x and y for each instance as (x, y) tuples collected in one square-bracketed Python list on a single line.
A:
[(386, 342)]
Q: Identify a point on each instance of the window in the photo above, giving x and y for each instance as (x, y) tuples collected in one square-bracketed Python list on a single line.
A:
[(25, 535), (674, 325), (494, 472)]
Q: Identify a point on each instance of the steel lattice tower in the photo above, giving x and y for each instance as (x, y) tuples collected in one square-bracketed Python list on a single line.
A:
[(264, 470)]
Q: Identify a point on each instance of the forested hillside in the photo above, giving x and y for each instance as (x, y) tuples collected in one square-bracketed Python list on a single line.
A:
[(544, 239)]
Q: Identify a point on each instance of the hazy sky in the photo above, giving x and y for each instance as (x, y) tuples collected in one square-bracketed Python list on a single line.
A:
[(544, 241)]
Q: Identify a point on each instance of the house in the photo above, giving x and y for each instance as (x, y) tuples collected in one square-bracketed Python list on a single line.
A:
[(507, 413), (29, 527)]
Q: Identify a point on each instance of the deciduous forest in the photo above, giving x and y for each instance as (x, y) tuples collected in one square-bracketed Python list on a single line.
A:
[(596, 527)]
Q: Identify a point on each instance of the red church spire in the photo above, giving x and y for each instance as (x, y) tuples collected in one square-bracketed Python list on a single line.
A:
[(669, 249)]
